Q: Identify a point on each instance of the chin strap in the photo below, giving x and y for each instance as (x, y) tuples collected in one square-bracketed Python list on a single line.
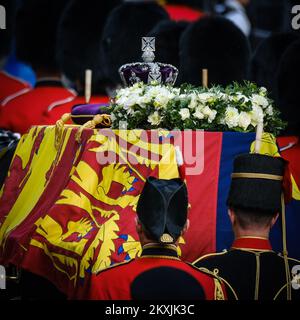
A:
[(285, 252)]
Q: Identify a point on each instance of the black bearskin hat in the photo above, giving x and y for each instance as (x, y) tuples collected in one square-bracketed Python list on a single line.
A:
[(167, 35), (6, 35), (216, 44), (79, 39), (267, 57), (123, 32), (288, 88), (36, 32), (162, 208), (257, 183)]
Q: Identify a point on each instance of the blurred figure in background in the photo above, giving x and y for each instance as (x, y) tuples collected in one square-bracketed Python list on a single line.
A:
[(266, 59), (36, 31), (167, 36), (8, 84), (216, 44), (268, 17), (122, 34), (78, 49), (288, 102), (235, 11)]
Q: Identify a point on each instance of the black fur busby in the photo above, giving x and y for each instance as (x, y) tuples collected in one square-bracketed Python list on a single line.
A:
[(267, 57), (261, 194), (7, 11), (288, 93), (123, 32), (162, 208), (167, 35), (216, 44), (79, 39), (36, 33)]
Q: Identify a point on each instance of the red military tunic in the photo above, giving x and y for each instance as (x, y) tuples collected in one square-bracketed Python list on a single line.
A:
[(10, 85), (25, 110), (182, 12), (55, 112), (157, 274)]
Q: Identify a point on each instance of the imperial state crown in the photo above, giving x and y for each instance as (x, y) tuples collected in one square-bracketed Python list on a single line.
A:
[(148, 70)]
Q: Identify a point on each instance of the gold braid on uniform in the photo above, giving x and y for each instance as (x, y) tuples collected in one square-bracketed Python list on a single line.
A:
[(219, 294), (215, 274)]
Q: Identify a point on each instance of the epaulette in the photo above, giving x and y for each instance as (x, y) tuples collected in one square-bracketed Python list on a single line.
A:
[(210, 255), (115, 266)]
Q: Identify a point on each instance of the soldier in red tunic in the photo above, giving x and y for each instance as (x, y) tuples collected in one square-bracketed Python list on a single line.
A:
[(8, 84), (37, 22), (78, 49), (158, 273)]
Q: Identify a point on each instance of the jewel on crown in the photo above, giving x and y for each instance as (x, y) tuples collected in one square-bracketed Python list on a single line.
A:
[(148, 70)]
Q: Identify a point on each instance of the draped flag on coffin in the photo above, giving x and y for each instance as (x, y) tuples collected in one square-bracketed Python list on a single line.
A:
[(64, 214)]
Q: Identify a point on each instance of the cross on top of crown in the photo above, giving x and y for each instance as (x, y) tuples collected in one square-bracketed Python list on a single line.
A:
[(148, 48)]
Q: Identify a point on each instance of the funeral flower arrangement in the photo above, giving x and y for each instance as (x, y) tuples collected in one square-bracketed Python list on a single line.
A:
[(233, 108)]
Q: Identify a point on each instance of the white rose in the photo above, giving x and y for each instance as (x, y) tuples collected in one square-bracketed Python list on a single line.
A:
[(231, 117), (185, 113), (263, 91), (145, 99), (198, 114), (257, 115), (209, 114), (223, 96), (241, 96), (244, 120), (212, 116), (154, 118), (204, 97), (121, 100), (162, 100), (154, 91), (259, 101), (194, 102), (269, 111)]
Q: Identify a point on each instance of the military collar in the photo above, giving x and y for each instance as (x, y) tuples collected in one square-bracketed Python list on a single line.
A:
[(155, 250), (252, 243), (48, 82)]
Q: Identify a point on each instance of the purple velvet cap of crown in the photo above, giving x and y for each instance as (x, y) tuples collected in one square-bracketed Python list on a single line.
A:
[(146, 72), (81, 113)]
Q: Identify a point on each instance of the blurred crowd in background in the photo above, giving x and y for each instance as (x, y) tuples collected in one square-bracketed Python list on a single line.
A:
[(48, 45)]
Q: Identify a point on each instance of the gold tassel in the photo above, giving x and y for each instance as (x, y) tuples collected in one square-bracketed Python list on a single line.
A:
[(103, 119), (59, 128)]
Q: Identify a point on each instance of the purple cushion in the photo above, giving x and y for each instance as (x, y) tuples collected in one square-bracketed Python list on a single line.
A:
[(82, 113)]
